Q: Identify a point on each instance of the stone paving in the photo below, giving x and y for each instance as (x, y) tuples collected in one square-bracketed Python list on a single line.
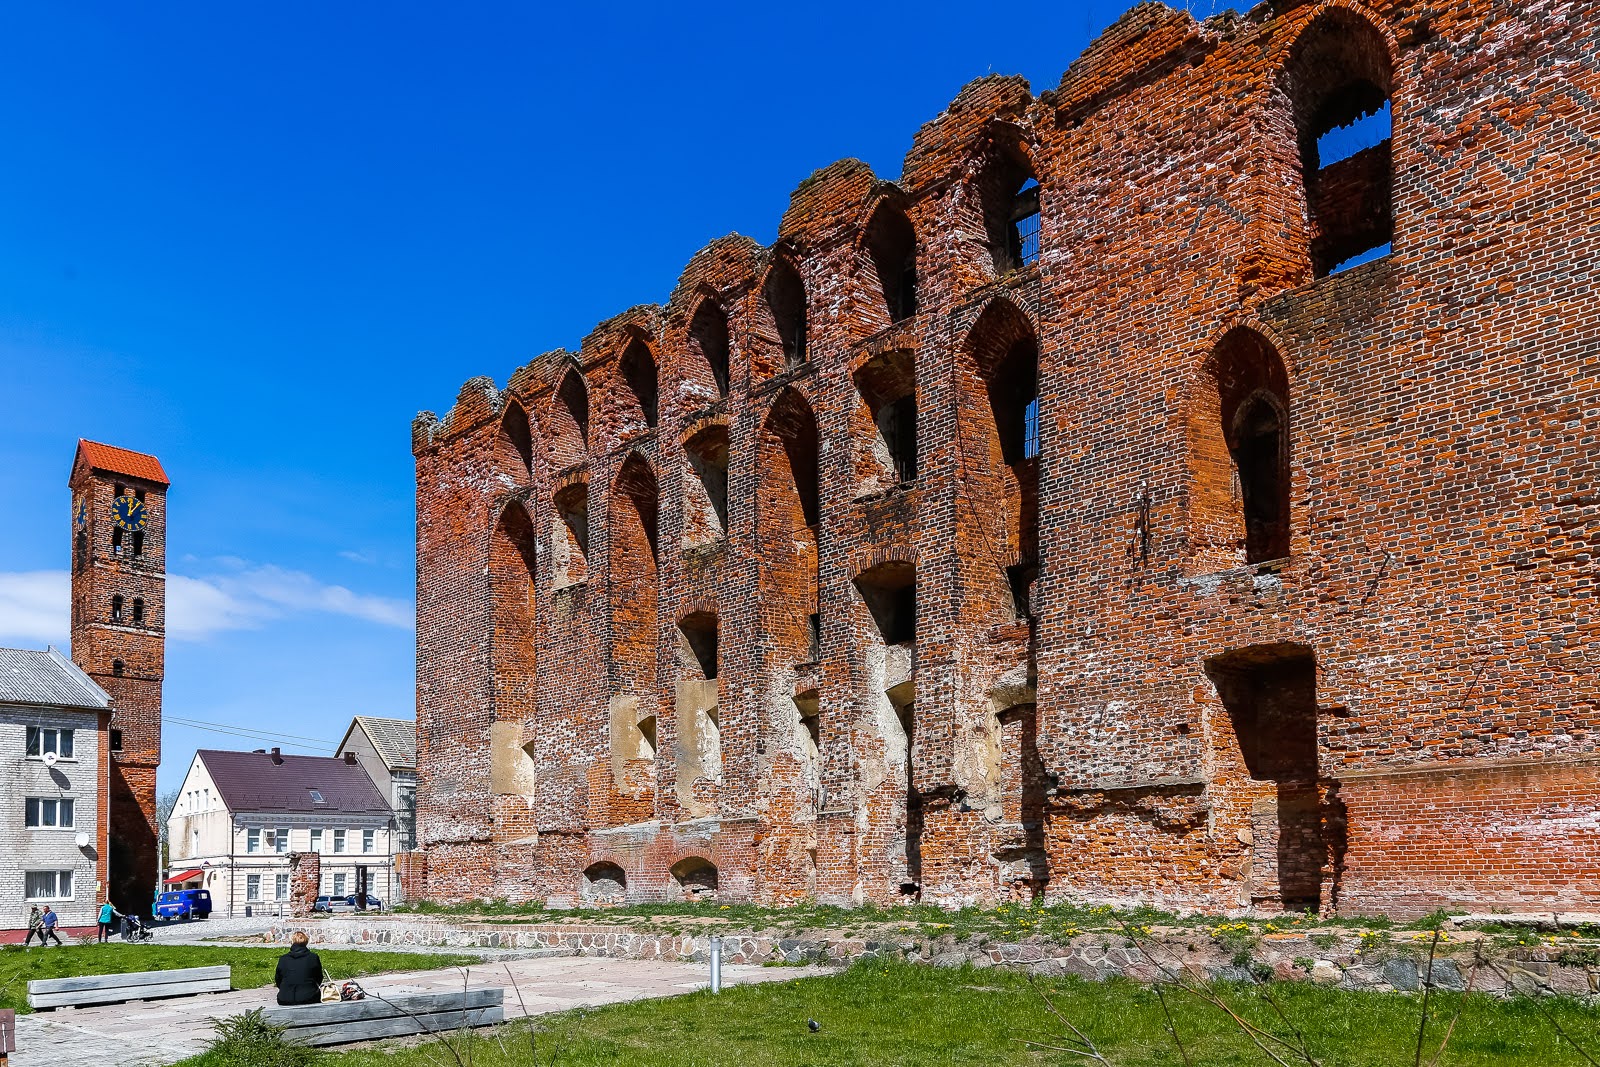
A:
[(160, 1032)]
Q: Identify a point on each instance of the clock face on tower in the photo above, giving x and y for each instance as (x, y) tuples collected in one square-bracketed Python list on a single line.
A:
[(128, 513), (80, 512)]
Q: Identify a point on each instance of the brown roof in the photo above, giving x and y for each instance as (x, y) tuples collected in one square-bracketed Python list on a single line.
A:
[(114, 460), (257, 781)]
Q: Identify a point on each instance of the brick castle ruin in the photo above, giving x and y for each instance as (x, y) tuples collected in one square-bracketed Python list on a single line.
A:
[(1056, 519)]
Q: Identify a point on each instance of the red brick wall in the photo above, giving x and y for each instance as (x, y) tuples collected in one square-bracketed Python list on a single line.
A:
[(1439, 518)]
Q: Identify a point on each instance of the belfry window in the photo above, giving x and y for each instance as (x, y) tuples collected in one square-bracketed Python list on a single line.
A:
[(116, 608), (1023, 236)]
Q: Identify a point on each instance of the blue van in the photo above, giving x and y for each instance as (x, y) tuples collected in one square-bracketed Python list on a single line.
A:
[(184, 904)]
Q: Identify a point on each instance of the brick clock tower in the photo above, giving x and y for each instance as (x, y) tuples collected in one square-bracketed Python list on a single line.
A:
[(119, 628)]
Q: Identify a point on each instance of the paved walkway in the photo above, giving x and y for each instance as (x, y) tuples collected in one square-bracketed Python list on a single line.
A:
[(160, 1032)]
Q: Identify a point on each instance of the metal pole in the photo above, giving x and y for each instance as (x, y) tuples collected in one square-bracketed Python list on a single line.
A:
[(716, 964)]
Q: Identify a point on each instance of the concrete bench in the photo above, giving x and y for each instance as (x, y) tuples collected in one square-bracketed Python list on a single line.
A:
[(135, 985), (396, 1016)]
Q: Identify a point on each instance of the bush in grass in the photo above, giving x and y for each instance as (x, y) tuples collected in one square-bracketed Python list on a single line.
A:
[(248, 1040)]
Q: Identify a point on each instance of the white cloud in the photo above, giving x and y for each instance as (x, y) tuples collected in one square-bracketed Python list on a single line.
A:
[(35, 607), (236, 595), (367, 558)]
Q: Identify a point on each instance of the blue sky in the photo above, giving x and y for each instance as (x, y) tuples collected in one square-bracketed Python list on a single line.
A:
[(256, 239)]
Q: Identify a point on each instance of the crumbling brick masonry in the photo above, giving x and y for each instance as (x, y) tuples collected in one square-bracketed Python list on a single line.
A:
[(1060, 519)]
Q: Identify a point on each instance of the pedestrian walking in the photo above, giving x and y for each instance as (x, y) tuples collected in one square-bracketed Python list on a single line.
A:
[(108, 915), (49, 920), (35, 929), (299, 974)]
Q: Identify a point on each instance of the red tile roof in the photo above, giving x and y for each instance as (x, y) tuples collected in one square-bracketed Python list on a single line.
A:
[(114, 460)]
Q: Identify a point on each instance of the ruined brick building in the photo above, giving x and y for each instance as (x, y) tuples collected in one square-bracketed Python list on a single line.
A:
[(1056, 519)]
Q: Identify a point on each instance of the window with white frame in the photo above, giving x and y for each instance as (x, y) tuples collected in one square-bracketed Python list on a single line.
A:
[(282, 887), (47, 885), (252, 840), (44, 741), (368, 837), (281, 840), (316, 840), (338, 884), (338, 840), (252, 887), (49, 813)]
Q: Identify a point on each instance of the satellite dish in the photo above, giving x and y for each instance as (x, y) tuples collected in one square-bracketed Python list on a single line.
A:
[(82, 839), (50, 759)]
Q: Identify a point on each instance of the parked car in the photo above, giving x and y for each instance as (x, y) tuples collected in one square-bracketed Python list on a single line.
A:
[(334, 904), (184, 904), (373, 903)]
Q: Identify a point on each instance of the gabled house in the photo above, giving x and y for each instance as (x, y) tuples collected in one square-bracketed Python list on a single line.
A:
[(240, 815), (387, 751), (54, 781)]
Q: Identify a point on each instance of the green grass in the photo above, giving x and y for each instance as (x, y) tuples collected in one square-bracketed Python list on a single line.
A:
[(902, 1015), (252, 967)]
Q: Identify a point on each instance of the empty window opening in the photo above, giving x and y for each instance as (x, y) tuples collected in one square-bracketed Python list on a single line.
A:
[(637, 493), (80, 554), (696, 878), (117, 668), (708, 341), (1240, 455), (1014, 399), (1022, 240), (1269, 692), (138, 542), (706, 510), (890, 592), (639, 371), (888, 383), (138, 494), (571, 416), (116, 540), (573, 503), (808, 712), (786, 526), (794, 425), (516, 443), (892, 244), (116, 608), (119, 490), (604, 883), (814, 637), (116, 740), (1359, 134), (898, 427), (511, 580), (647, 737), (571, 541), (1339, 82), (1258, 443), (138, 611), (1022, 577), (785, 295), (698, 647)]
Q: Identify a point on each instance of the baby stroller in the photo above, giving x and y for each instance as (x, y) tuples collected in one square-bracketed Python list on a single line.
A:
[(134, 929)]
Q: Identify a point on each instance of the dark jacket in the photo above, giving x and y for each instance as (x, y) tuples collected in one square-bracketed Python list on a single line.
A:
[(299, 977)]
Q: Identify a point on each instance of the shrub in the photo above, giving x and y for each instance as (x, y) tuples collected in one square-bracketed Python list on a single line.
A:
[(248, 1040)]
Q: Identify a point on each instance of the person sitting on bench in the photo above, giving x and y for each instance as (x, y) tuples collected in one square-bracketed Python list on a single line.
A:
[(299, 975)]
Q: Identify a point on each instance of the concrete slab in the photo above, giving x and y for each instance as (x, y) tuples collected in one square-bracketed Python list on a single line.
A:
[(159, 1033)]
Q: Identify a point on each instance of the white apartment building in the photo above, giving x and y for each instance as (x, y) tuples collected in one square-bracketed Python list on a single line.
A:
[(54, 848), (240, 815), (387, 751)]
